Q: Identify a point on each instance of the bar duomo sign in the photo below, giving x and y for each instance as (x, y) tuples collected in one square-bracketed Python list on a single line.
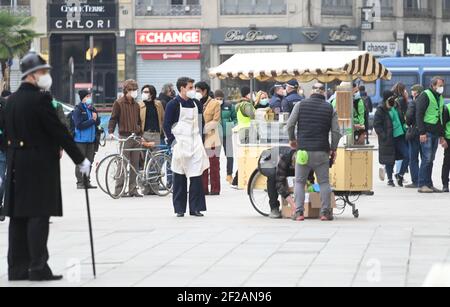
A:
[(77, 16), (333, 36)]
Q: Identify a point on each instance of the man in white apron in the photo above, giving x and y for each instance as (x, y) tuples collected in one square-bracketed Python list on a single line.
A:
[(182, 125)]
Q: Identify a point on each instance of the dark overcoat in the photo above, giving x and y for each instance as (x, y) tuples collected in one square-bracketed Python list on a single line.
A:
[(34, 136)]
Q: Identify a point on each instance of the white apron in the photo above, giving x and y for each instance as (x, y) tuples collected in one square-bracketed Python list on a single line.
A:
[(189, 155)]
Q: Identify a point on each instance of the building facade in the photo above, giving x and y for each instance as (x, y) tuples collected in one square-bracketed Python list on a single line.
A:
[(156, 41)]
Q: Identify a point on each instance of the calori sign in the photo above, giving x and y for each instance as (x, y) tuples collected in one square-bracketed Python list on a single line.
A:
[(170, 37)]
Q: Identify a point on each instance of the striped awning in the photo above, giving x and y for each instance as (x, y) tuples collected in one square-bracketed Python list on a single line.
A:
[(303, 66)]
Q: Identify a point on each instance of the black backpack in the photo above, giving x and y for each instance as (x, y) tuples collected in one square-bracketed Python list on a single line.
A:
[(71, 123)]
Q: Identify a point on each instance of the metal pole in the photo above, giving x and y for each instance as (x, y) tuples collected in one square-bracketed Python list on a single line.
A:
[(91, 235), (72, 90), (91, 49)]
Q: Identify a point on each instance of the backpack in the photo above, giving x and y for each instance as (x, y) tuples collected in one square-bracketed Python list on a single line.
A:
[(71, 123)]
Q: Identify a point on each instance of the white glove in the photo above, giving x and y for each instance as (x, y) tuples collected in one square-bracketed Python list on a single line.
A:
[(85, 167)]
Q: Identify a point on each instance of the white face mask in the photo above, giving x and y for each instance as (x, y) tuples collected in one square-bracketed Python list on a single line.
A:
[(192, 94), (440, 90), (44, 82), (134, 94), (145, 97), (198, 96)]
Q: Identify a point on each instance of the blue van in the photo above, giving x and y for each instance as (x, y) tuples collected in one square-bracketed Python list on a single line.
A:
[(410, 71)]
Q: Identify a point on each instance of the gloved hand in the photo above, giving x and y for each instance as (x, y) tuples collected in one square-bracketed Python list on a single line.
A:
[(85, 167)]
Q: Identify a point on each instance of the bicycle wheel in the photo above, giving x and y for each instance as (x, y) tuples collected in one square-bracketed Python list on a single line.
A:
[(116, 177), (158, 175), (166, 175), (257, 192), (100, 172)]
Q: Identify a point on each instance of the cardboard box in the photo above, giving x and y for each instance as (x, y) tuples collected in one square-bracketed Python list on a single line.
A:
[(316, 202)]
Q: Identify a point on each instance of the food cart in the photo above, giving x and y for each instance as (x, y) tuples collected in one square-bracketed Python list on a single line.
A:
[(353, 171)]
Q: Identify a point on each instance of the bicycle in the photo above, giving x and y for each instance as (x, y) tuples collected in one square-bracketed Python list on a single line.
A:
[(155, 174)]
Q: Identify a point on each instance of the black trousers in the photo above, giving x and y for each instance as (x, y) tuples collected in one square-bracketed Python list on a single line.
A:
[(88, 150), (197, 201), (273, 193), (28, 253), (446, 166)]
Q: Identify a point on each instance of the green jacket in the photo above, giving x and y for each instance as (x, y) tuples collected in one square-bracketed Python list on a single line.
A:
[(229, 117)]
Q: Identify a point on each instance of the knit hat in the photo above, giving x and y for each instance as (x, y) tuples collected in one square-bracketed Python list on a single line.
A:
[(245, 91), (83, 94)]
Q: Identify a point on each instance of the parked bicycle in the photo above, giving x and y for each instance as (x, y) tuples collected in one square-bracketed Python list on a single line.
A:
[(154, 176)]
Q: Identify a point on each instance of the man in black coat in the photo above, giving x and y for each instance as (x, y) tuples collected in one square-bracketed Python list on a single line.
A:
[(34, 137)]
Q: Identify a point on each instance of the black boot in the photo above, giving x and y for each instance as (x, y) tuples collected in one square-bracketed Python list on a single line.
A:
[(44, 275), (400, 180)]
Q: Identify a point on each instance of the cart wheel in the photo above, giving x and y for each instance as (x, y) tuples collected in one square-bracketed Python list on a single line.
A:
[(258, 197), (356, 214)]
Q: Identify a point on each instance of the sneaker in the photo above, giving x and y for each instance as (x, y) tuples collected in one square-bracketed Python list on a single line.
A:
[(411, 186), (275, 214), (391, 183), (326, 217), (425, 190), (436, 190), (298, 217), (382, 174), (230, 179)]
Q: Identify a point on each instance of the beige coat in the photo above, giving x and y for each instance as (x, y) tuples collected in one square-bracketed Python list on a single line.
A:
[(212, 116), (159, 110)]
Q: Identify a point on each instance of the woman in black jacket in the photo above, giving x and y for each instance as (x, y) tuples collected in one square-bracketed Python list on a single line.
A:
[(389, 125)]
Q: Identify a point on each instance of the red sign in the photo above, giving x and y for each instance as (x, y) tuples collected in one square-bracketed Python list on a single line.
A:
[(168, 37), (168, 56)]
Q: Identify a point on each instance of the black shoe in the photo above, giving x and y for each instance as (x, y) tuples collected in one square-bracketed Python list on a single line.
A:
[(80, 186), (44, 275), (197, 214), (400, 180), (135, 194), (445, 189), (180, 215), (2, 218), (214, 194), (391, 183)]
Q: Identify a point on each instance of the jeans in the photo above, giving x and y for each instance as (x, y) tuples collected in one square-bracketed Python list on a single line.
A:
[(414, 152), (429, 150), (401, 148), (319, 162)]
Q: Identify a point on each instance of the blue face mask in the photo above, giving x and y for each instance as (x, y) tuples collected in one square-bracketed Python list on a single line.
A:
[(264, 102), (89, 101)]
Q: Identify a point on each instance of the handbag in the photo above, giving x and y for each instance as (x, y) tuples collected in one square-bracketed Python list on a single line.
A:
[(153, 137)]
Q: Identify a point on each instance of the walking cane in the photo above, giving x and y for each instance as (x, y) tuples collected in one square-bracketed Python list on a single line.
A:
[(90, 225)]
